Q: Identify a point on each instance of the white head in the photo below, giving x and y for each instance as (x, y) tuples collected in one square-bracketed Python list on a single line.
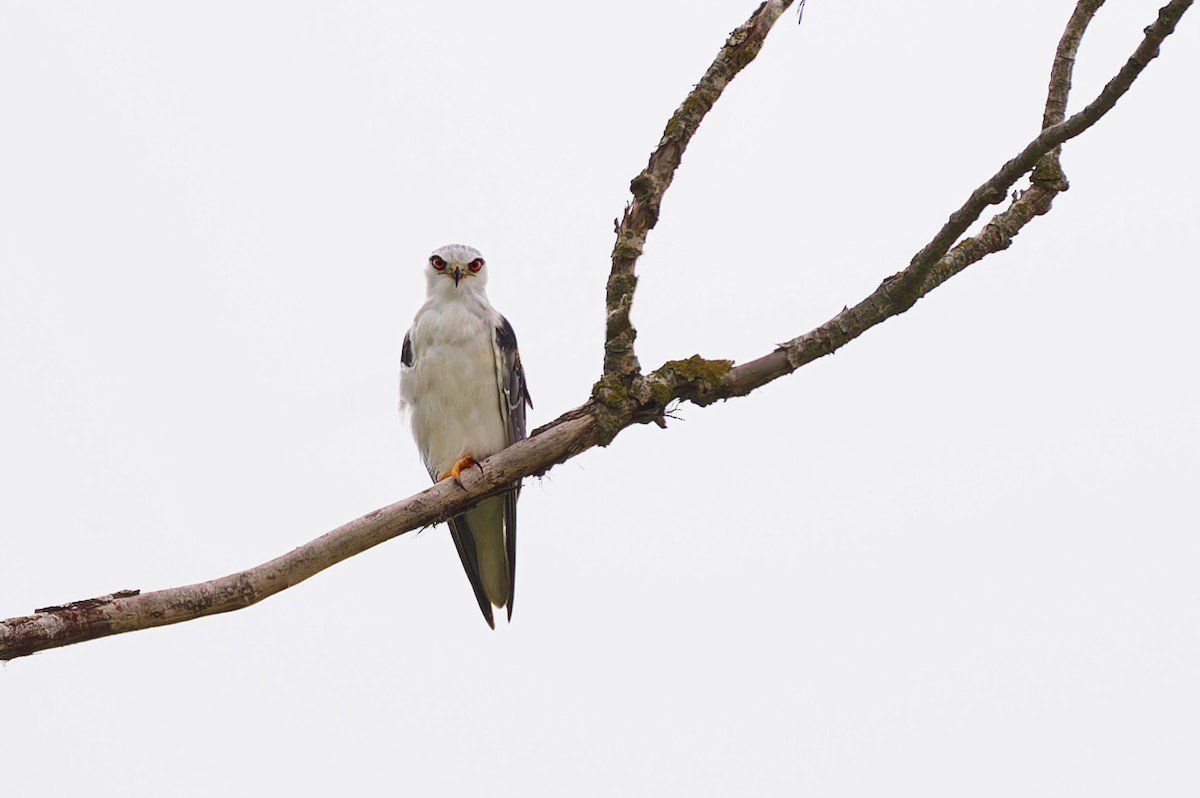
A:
[(454, 268)]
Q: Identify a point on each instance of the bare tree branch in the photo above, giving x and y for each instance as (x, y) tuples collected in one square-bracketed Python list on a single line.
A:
[(933, 265), (624, 397), (1064, 61), (641, 214), (129, 610), (1047, 174)]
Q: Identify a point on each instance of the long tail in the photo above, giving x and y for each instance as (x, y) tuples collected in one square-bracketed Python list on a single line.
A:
[(479, 536)]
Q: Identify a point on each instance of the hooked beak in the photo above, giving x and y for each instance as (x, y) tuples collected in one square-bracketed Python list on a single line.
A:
[(458, 273)]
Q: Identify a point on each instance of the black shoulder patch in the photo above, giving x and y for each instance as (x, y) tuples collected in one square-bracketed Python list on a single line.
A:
[(505, 336), (406, 356)]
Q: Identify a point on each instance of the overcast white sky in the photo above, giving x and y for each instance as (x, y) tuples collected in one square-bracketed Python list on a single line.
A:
[(959, 557)]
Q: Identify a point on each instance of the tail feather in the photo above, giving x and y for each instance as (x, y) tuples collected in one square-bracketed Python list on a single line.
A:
[(479, 536)]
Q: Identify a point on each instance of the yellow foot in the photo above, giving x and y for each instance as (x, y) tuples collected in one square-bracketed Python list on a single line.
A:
[(465, 462)]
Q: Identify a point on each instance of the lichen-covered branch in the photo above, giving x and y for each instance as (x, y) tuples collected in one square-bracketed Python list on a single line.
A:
[(641, 214), (905, 289), (634, 399), (936, 263)]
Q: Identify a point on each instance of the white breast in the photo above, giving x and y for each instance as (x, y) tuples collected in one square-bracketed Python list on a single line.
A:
[(450, 392)]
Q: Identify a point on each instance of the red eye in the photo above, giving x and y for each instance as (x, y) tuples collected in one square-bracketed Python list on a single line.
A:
[(437, 263), (475, 265)]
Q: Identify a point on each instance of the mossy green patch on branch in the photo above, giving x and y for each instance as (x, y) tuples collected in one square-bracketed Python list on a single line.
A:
[(697, 369), (626, 251), (1048, 172), (696, 379), (610, 392), (621, 285), (612, 400)]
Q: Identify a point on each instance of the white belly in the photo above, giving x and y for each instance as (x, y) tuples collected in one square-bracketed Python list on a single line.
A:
[(451, 392)]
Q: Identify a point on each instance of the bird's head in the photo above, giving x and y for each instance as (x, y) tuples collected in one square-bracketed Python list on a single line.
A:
[(456, 267)]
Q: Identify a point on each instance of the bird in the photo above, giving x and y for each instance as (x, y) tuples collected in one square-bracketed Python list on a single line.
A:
[(463, 389)]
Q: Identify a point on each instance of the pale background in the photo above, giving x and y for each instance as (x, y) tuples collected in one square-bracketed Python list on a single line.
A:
[(959, 557)]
